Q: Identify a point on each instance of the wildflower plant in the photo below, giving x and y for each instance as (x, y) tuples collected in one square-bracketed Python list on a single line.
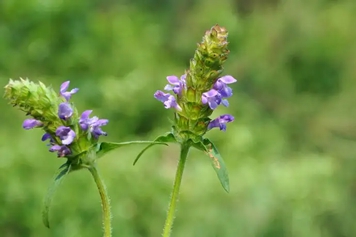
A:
[(193, 97), (71, 135)]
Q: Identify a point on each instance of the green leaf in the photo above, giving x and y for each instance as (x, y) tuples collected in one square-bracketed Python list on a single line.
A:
[(200, 146), (216, 160), (169, 137), (50, 193), (105, 147)]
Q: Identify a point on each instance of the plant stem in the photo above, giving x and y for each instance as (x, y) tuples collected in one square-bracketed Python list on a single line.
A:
[(105, 202), (175, 192)]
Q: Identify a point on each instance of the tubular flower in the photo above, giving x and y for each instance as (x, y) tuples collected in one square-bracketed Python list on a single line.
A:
[(31, 123), (67, 94), (93, 125)]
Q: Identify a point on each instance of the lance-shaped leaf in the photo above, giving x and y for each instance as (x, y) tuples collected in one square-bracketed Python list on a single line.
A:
[(64, 170), (163, 139), (216, 160), (104, 147)]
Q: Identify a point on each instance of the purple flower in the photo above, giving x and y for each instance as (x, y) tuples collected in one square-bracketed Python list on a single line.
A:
[(67, 94), (66, 134), (168, 100), (221, 86), (215, 96), (221, 121), (92, 124), (212, 97), (65, 111), (31, 123), (61, 150), (176, 84), (47, 136)]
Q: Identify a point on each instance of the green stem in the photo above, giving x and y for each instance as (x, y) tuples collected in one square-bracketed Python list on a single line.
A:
[(174, 196), (105, 203)]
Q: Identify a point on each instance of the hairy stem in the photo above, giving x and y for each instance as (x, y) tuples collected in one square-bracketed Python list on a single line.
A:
[(175, 193), (105, 202)]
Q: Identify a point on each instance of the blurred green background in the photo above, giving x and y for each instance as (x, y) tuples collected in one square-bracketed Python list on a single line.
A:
[(290, 152)]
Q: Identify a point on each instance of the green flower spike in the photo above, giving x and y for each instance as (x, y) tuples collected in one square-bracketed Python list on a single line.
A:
[(196, 94), (72, 137)]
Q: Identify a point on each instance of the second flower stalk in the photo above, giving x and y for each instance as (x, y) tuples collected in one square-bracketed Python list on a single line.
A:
[(196, 94)]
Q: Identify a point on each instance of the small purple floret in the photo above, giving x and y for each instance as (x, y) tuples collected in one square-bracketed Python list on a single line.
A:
[(221, 86), (168, 100), (220, 91), (92, 124), (67, 94), (31, 123), (221, 121), (176, 84), (65, 111), (212, 97), (66, 134), (47, 136), (61, 150)]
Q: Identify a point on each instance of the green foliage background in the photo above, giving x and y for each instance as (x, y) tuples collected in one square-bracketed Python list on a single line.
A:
[(290, 152)]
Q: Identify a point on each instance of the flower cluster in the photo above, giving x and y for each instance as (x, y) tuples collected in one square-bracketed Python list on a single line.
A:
[(177, 86), (214, 97), (68, 135), (198, 92)]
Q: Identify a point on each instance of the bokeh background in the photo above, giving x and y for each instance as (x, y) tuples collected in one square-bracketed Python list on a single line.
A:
[(291, 152)]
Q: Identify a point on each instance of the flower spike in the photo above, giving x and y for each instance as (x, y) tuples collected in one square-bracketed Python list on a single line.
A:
[(62, 125), (72, 137), (195, 96)]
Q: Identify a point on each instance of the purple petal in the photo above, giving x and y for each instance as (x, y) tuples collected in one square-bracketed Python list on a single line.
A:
[(98, 132), (95, 127), (46, 136), (161, 96), (210, 93), (64, 86), (211, 97), (64, 151), (66, 134), (227, 79), (67, 94), (225, 103), (174, 80), (69, 138), (176, 84), (73, 91), (169, 87), (101, 122), (65, 111), (221, 121), (221, 86), (84, 120), (225, 91), (62, 130), (61, 150), (55, 148), (93, 124), (31, 123), (85, 115), (168, 100)]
